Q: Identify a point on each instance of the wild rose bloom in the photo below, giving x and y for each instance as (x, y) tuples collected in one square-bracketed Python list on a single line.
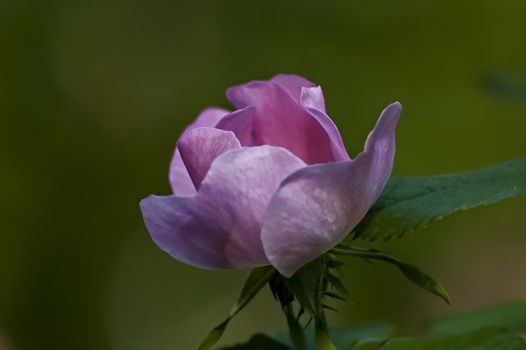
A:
[(270, 183)]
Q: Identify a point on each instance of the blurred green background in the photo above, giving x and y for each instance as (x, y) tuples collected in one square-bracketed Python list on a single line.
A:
[(93, 95)]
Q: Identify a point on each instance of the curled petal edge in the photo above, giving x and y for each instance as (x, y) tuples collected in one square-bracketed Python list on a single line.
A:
[(317, 206), (220, 226)]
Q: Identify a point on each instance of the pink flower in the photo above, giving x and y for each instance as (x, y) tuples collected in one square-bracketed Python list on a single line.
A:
[(270, 183)]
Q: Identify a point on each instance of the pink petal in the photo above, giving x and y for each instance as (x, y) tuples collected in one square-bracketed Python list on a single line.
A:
[(313, 98), (220, 226), (200, 146), (270, 115), (244, 95), (209, 118), (317, 206), (294, 85), (180, 180), (338, 149)]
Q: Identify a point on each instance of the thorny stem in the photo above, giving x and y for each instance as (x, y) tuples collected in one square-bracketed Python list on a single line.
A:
[(295, 328), (323, 340)]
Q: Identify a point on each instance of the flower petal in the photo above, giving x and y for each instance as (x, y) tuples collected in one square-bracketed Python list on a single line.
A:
[(338, 148), (294, 85), (271, 116), (209, 117), (200, 146), (180, 180), (220, 226), (317, 206), (312, 97), (247, 94)]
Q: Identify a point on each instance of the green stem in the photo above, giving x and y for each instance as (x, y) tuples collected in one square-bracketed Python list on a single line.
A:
[(323, 340), (295, 328)]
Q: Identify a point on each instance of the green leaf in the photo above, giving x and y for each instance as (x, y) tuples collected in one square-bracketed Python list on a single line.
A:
[(259, 342), (412, 273), (335, 296), (408, 203), (510, 315), (368, 345), (330, 308), (338, 285), (322, 339), (308, 286), (482, 339), (508, 86), (344, 338), (257, 279)]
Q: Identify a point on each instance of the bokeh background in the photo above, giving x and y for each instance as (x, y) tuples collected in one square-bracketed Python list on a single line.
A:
[(93, 95)]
